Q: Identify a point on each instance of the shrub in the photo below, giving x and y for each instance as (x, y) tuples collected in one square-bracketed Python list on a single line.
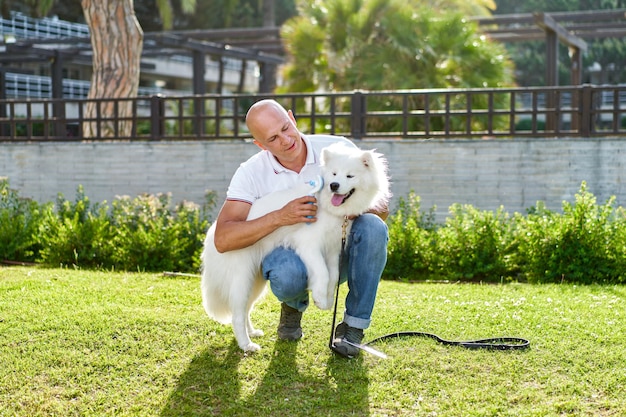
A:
[(411, 240), (132, 234), (617, 243), (192, 222), (19, 223), (473, 245), (76, 234), (152, 237), (585, 244)]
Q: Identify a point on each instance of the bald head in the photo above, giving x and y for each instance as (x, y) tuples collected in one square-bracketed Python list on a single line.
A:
[(264, 114), (274, 129)]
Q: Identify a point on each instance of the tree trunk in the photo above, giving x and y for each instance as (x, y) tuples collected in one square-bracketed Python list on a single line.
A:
[(117, 42)]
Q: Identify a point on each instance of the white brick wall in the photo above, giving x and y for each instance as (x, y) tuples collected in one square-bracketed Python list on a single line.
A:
[(484, 173)]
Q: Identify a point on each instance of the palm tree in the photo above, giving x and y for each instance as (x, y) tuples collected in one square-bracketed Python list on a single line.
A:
[(342, 45), (166, 11)]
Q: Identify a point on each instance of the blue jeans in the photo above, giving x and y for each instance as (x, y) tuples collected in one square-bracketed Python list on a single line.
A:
[(362, 266)]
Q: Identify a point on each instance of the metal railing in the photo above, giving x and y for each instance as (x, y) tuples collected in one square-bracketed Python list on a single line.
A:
[(22, 26), (24, 86), (573, 111)]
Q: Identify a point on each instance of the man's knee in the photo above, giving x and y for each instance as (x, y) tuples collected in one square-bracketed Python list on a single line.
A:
[(286, 273), (370, 227)]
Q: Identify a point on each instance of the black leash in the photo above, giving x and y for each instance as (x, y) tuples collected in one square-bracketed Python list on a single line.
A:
[(344, 228), (493, 343)]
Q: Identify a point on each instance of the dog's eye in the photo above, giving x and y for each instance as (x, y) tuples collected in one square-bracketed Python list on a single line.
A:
[(350, 176)]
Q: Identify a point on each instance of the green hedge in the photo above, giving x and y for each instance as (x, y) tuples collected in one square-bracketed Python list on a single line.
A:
[(143, 233), (585, 243), (19, 222)]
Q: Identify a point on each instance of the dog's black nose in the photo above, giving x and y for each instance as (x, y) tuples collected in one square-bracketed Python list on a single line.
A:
[(334, 186)]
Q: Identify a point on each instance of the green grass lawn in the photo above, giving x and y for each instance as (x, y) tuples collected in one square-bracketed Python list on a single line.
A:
[(107, 343)]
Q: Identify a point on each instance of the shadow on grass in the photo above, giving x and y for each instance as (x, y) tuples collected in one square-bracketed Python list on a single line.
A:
[(215, 385), (209, 384)]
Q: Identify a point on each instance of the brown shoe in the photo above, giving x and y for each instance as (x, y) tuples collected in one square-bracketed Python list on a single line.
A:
[(289, 325)]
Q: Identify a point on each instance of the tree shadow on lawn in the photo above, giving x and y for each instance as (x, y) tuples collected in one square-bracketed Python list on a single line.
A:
[(213, 385)]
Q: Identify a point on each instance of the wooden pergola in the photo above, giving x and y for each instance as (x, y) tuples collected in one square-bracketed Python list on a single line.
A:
[(197, 44), (569, 28), (261, 45)]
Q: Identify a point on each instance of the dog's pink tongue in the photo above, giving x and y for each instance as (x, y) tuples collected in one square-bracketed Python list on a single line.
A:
[(337, 199)]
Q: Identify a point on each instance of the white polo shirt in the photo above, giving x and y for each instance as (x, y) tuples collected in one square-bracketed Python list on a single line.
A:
[(263, 174)]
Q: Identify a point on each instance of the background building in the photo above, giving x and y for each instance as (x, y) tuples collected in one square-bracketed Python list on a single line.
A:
[(29, 47)]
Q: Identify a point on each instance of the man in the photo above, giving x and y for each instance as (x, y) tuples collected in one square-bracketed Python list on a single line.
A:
[(288, 158)]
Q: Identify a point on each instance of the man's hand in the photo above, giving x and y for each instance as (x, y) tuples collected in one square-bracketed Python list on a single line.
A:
[(302, 209)]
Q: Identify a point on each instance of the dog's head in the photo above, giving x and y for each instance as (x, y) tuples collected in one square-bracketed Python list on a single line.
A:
[(355, 181)]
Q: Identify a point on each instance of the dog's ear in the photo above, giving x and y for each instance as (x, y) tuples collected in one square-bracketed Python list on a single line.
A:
[(325, 155), (367, 159), (337, 150)]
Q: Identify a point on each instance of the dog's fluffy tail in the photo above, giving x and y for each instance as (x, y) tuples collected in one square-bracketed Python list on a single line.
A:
[(214, 296), (230, 280), (215, 304), (223, 292)]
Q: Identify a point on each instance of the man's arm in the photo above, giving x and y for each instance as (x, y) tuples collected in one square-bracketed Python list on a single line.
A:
[(233, 231)]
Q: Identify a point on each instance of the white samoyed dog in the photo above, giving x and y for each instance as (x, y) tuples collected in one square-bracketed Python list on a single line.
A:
[(352, 182)]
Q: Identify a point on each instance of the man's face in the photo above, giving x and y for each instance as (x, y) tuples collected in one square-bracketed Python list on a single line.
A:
[(276, 131)]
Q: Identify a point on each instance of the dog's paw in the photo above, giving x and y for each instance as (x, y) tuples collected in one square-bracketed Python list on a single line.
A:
[(251, 347), (320, 297), (256, 333), (323, 303)]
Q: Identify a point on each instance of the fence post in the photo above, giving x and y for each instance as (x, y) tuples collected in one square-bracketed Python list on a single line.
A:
[(58, 104), (358, 115), (157, 112), (586, 114), (5, 128)]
